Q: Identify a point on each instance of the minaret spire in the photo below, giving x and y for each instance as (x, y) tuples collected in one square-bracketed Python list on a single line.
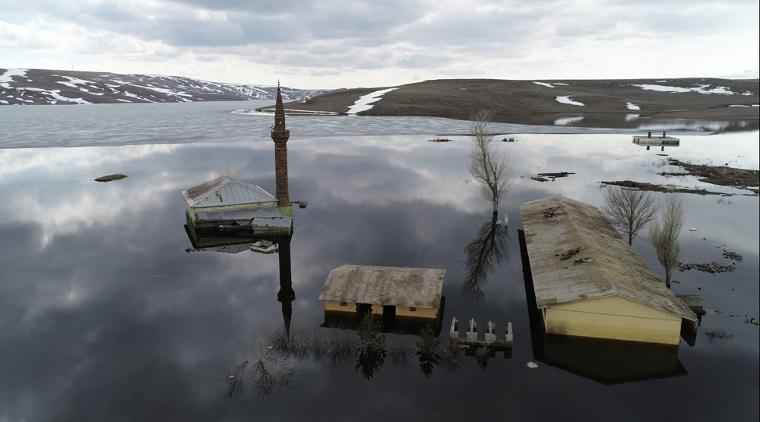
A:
[(280, 135)]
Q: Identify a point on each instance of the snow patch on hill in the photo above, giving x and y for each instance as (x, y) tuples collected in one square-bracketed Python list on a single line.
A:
[(366, 102), (564, 99), (701, 89), (39, 86), (7, 76)]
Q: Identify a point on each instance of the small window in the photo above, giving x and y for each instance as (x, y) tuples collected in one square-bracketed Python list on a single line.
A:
[(413, 308), (343, 303)]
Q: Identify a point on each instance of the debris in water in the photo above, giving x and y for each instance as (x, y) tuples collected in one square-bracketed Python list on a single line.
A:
[(708, 267), (532, 365), (732, 255), (692, 229), (716, 333), (110, 177), (644, 186)]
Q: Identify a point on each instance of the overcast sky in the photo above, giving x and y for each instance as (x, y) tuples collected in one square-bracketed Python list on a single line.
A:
[(347, 43)]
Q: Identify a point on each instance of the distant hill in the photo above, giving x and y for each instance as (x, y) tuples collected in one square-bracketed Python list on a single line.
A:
[(601, 103), (42, 86)]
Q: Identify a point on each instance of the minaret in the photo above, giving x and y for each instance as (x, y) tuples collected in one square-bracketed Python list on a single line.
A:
[(280, 136)]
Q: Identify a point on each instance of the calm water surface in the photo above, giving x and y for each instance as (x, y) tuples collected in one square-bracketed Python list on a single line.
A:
[(105, 316)]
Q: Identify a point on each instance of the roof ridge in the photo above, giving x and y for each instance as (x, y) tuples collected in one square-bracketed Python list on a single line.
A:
[(585, 244)]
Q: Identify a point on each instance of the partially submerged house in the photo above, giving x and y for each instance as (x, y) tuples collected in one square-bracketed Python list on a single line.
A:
[(388, 291), (588, 282), (228, 205)]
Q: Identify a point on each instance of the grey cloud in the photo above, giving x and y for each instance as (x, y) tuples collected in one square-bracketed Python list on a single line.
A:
[(340, 35)]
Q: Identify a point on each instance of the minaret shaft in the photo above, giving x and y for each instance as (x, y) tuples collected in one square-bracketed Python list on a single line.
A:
[(280, 135)]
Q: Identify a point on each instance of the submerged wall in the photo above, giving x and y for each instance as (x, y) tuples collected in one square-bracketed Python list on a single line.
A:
[(401, 311), (613, 318)]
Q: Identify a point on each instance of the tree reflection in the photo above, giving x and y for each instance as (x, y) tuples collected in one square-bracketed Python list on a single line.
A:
[(482, 253), (370, 353), (428, 351)]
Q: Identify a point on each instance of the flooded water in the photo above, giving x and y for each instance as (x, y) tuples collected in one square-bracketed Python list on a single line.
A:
[(173, 123), (104, 315)]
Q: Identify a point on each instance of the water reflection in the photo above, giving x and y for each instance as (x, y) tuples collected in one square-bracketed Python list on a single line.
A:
[(182, 322), (224, 243), (610, 362), (483, 253)]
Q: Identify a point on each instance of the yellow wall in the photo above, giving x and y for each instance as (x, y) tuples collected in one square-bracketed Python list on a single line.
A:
[(402, 311), (335, 306), (613, 318), (331, 305)]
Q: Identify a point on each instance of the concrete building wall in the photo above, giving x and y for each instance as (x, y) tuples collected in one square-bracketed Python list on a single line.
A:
[(614, 318), (401, 311), (404, 311), (335, 306), (331, 305)]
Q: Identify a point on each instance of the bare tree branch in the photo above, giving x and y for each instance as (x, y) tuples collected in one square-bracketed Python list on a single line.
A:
[(664, 234), (629, 210), (490, 168)]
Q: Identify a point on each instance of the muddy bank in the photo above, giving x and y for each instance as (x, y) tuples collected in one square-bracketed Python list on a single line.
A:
[(337, 101), (661, 188), (719, 175), (606, 103)]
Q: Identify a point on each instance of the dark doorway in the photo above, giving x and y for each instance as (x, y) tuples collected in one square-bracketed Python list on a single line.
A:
[(389, 311), (363, 309)]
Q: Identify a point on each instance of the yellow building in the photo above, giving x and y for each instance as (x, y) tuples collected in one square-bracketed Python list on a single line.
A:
[(389, 291), (588, 282)]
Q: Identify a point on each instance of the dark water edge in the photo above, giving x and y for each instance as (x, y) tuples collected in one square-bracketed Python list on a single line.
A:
[(103, 315)]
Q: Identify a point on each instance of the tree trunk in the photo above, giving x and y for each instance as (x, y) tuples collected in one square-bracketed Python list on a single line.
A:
[(667, 277)]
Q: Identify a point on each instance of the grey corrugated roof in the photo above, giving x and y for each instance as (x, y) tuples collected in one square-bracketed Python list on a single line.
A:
[(555, 225), (420, 287), (225, 191)]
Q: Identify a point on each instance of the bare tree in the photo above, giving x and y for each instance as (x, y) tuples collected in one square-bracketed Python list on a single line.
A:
[(664, 234), (629, 210), (487, 166)]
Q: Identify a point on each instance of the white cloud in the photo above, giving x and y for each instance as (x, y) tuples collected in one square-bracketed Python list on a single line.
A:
[(340, 43)]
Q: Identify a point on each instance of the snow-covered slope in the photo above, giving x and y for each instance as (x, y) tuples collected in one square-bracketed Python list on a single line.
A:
[(41, 86)]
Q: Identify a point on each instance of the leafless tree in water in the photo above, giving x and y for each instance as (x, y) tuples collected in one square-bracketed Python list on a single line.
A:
[(629, 210), (482, 253), (488, 166), (664, 234)]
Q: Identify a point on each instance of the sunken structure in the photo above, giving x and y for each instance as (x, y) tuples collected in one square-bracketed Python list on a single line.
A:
[(588, 282)]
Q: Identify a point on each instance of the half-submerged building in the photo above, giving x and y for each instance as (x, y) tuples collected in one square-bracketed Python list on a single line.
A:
[(225, 206), (235, 207), (588, 282), (388, 291)]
